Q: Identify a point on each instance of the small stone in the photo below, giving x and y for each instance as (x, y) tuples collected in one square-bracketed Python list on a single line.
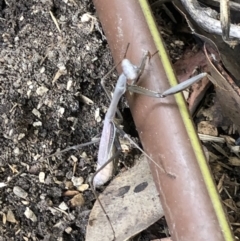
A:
[(68, 230), (37, 156), (4, 218), (86, 100), (41, 90), (68, 185), (16, 151), (72, 119), (84, 155), (74, 158), (61, 66), (77, 201), (21, 136), (42, 70), (37, 123), (29, 92), (97, 115), (25, 202), (2, 184), (30, 215), (77, 181), (86, 17), (70, 193), (36, 113), (43, 196), (61, 111), (83, 187), (69, 84), (178, 42), (94, 59), (18, 191), (41, 177), (63, 206), (11, 217)]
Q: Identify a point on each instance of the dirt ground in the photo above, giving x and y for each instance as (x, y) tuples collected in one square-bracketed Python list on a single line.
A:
[(45, 73), (40, 114)]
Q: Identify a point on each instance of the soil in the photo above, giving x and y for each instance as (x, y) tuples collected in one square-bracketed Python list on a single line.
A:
[(40, 114), (44, 74)]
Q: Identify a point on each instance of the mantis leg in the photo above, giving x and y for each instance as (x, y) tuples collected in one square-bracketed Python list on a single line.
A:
[(76, 147), (120, 131), (171, 91)]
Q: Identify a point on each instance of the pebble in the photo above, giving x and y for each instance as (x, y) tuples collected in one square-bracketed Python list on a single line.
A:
[(77, 201), (77, 181), (30, 214), (18, 191)]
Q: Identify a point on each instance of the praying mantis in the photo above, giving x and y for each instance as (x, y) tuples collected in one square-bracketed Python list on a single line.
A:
[(130, 73), (107, 151)]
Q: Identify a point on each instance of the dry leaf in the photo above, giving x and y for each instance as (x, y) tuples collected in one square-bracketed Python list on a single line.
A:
[(132, 203), (204, 127)]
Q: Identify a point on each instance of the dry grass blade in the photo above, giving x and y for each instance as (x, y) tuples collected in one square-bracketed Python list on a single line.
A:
[(220, 149), (225, 18), (55, 22), (208, 138)]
